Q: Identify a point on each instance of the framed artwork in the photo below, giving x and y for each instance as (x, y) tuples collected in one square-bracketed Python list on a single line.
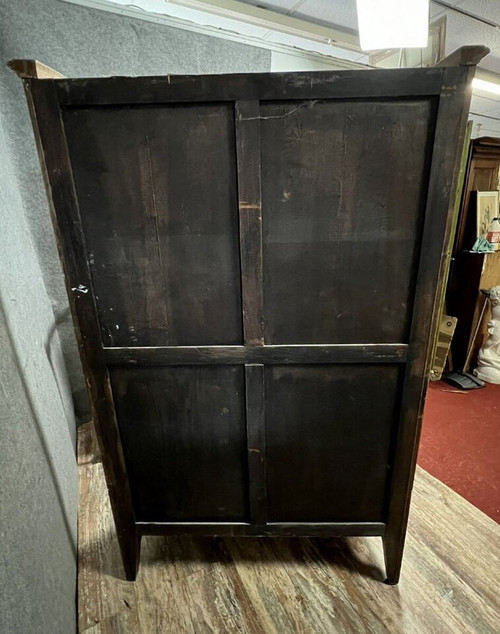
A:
[(486, 210)]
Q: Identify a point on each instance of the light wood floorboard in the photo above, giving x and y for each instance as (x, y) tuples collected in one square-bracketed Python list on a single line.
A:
[(450, 581)]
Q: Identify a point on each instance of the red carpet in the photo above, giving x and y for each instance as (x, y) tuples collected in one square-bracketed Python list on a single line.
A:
[(460, 443)]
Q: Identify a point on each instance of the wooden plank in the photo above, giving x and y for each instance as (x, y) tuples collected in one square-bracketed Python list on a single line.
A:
[(347, 84), (51, 145), (339, 256), (256, 442), (445, 169), (184, 438), (177, 246), (282, 354), (290, 529), (247, 114), (99, 598), (328, 448)]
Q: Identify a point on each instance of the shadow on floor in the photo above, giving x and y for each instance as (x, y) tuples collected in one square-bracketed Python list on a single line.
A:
[(203, 553)]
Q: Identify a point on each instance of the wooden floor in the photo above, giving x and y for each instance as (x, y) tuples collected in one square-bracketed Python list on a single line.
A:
[(450, 580)]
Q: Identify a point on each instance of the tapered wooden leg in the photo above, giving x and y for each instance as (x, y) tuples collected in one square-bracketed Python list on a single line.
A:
[(130, 548), (393, 554)]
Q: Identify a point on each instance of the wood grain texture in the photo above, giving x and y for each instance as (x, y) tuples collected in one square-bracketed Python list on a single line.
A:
[(157, 196), (189, 355), (344, 84), (189, 585), (184, 439), (448, 145), (26, 68), (438, 368), (256, 442), (247, 121), (300, 529), (465, 56), (328, 449), (340, 256)]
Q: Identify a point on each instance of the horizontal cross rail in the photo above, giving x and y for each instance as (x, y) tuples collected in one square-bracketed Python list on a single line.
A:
[(271, 354)]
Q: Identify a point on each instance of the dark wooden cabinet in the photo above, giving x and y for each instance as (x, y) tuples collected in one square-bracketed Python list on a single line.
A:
[(252, 262)]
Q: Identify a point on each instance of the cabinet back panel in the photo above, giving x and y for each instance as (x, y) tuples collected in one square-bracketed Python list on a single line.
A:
[(157, 195), (254, 264), (343, 202), (329, 435), (183, 433)]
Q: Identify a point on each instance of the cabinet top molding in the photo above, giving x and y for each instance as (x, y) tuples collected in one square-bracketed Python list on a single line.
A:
[(465, 56), (33, 69)]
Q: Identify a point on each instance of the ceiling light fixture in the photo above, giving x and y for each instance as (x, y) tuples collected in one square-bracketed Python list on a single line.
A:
[(393, 24)]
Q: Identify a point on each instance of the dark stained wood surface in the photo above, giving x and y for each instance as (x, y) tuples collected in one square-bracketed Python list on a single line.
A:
[(250, 213), (184, 439), (254, 260), (354, 84), (326, 353), (270, 529), (157, 193), (448, 145), (465, 56), (49, 133), (329, 432), (256, 440), (343, 201)]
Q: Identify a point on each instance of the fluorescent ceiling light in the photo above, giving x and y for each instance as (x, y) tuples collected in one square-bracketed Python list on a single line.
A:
[(267, 18), (393, 24), (486, 86)]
